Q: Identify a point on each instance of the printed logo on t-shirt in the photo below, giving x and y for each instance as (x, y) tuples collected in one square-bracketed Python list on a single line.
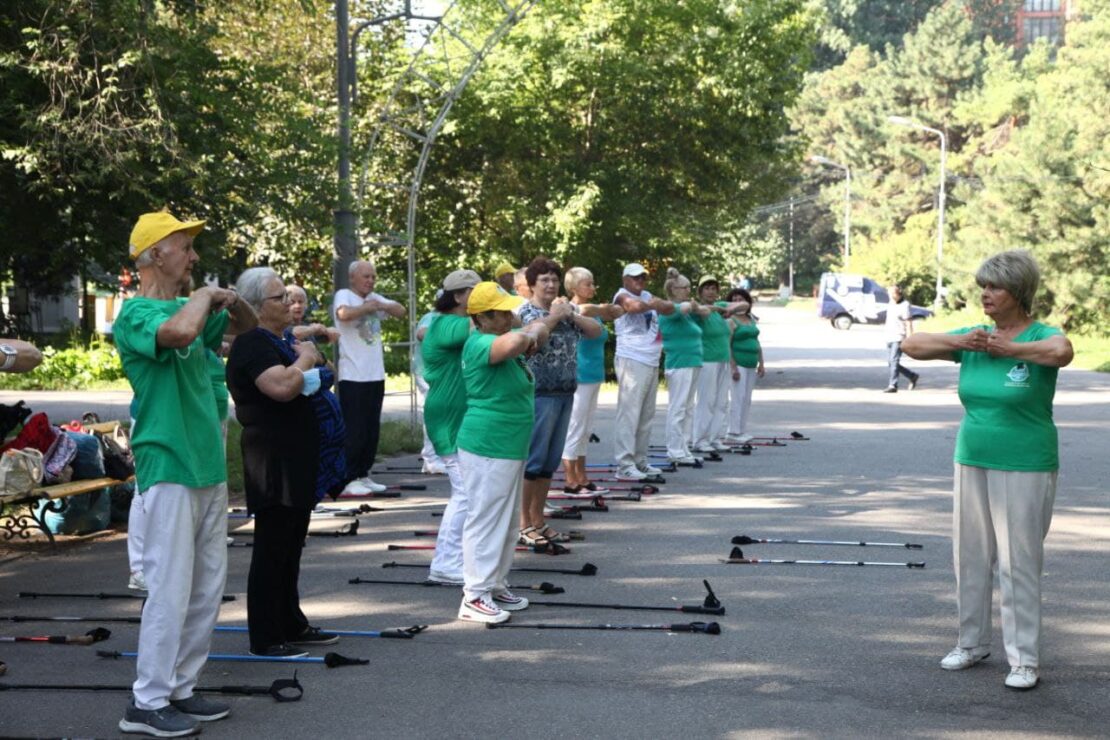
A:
[(370, 329), (1018, 375)]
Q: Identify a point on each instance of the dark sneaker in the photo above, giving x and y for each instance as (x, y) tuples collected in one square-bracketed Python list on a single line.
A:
[(913, 381), (201, 709), (280, 651), (314, 636), (890, 389), (168, 721)]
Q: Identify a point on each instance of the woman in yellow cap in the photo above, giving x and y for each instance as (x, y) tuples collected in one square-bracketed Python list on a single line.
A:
[(493, 445)]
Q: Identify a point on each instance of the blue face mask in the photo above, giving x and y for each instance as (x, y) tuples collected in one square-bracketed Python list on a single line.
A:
[(311, 382)]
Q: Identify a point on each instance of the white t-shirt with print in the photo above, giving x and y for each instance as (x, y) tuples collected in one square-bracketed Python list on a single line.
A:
[(360, 341), (896, 316), (638, 335)]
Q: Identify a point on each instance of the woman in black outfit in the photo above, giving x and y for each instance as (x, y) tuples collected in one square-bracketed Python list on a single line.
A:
[(292, 456)]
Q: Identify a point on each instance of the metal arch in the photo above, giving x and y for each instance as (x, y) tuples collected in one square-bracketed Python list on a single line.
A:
[(408, 105)]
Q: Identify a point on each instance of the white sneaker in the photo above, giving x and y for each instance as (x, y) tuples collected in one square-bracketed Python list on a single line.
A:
[(433, 469), (630, 474), (446, 579), (744, 439), (649, 469), (137, 581), (482, 609), (509, 601), (720, 446), (704, 449), (360, 488), (688, 460), (1022, 678), (374, 487), (961, 658)]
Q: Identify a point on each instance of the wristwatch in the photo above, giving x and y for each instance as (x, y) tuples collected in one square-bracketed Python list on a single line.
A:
[(10, 354)]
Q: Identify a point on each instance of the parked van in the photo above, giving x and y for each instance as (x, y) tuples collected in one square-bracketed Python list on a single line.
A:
[(846, 299)]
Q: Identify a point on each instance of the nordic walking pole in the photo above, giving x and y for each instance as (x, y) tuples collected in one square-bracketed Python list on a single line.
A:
[(543, 588), (597, 498), (736, 557), (94, 635), (401, 633), (589, 569), (331, 660), (711, 605), (100, 595), (705, 628), (282, 690), (646, 490), (551, 548), (744, 539), (573, 534), (28, 618)]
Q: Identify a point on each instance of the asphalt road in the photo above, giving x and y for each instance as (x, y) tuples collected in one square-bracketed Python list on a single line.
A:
[(804, 651)]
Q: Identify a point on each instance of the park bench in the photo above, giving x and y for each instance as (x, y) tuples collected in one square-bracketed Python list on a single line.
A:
[(14, 524)]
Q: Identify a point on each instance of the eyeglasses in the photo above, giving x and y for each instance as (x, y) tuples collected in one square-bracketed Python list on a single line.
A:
[(283, 297)]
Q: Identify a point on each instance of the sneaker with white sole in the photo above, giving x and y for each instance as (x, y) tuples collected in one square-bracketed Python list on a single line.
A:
[(744, 439), (314, 636), (630, 474), (647, 469), (359, 488), (201, 709), (721, 446), (445, 579), (509, 601), (704, 449), (137, 582), (374, 487), (169, 721), (482, 609), (961, 658), (433, 469), (686, 460), (1022, 678)]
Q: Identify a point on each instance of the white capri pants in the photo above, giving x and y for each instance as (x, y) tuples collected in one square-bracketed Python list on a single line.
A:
[(494, 487), (741, 408), (185, 564), (581, 420), (638, 385), (448, 559), (999, 521), (680, 409), (711, 409)]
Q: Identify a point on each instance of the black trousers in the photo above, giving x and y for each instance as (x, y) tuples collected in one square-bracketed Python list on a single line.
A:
[(274, 611), (361, 404)]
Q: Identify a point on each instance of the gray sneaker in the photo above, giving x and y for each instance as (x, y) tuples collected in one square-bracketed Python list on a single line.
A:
[(201, 709), (168, 721)]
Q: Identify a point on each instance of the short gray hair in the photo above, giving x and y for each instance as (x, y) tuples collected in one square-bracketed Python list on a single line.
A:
[(574, 276), (294, 287), (251, 285), (1015, 271), (356, 264)]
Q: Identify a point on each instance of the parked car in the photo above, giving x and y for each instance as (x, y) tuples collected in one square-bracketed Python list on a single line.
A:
[(846, 299)]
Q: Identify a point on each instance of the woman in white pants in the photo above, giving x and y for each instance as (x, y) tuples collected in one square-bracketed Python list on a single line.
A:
[(711, 406), (1005, 463), (579, 283), (493, 447), (682, 351), (746, 362)]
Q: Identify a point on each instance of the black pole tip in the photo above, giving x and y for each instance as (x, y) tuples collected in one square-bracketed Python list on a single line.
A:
[(736, 554), (742, 539), (99, 634), (335, 660), (589, 569)]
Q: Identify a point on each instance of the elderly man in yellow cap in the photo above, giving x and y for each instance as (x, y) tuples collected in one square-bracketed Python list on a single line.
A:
[(181, 471), (505, 275)]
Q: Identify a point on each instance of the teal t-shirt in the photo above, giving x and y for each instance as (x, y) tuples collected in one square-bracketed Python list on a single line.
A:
[(745, 344), (217, 371), (714, 336), (1007, 422), (500, 403), (681, 341), (445, 405), (177, 436), (591, 357)]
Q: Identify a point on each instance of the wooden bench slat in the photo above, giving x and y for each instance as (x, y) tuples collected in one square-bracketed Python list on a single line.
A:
[(73, 488)]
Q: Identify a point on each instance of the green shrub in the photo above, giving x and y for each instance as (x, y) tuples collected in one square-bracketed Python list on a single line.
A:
[(65, 369)]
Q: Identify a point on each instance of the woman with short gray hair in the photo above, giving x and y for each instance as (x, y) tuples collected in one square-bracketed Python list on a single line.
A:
[(1006, 462)]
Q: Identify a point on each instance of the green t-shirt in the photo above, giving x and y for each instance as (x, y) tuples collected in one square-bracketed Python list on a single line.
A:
[(745, 344), (714, 336), (681, 341), (1007, 403), (218, 373), (177, 436), (500, 403), (445, 405)]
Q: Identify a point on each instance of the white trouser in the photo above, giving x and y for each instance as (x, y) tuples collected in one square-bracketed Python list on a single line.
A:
[(428, 452), (448, 559), (581, 420), (711, 409), (185, 564), (494, 488), (741, 402), (638, 384), (999, 521), (680, 409)]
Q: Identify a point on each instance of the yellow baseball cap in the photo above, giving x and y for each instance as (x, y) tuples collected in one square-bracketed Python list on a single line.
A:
[(152, 228), (503, 269), (489, 296)]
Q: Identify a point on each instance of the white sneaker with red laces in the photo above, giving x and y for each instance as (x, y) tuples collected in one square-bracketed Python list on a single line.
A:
[(509, 601), (482, 609)]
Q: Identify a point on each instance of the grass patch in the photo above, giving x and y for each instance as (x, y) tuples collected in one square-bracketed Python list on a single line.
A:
[(397, 437)]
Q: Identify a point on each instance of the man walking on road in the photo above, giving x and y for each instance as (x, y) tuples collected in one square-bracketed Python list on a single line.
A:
[(358, 314), (899, 325), (181, 469)]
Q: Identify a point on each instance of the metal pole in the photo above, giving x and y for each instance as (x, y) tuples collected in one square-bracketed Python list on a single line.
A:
[(345, 223), (792, 247), (847, 216), (940, 219)]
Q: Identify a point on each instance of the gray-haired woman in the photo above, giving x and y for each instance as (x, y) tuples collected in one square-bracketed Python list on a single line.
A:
[(1005, 463)]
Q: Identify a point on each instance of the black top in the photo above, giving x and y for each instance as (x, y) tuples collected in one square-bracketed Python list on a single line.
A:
[(280, 438)]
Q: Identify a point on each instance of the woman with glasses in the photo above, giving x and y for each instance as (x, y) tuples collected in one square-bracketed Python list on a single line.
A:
[(292, 445), (746, 362), (683, 353)]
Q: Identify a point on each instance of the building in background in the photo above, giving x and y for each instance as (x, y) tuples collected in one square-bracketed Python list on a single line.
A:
[(1044, 19)]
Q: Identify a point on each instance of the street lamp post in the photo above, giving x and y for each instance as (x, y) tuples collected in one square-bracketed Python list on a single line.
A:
[(847, 203), (910, 123)]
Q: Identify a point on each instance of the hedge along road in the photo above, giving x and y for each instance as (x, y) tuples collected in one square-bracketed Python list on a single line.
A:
[(804, 651)]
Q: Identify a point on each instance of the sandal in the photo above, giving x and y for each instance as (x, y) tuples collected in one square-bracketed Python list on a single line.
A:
[(552, 536), (573, 489), (531, 537)]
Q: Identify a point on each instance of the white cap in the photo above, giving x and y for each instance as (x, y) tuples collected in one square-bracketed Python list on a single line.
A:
[(634, 269)]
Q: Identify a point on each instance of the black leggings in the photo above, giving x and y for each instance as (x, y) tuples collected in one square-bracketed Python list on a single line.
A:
[(362, 415), (274, 611)]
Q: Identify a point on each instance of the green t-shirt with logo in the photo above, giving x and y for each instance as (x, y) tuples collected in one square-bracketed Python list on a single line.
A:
[(500, 402), (681, 341), (1007, 422), (714, 336), (176, 438), (445, 405), (745, 344), (217, 371)]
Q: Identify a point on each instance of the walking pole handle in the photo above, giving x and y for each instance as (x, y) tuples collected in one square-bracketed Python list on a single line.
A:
[(708, 628), (714, 610)]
